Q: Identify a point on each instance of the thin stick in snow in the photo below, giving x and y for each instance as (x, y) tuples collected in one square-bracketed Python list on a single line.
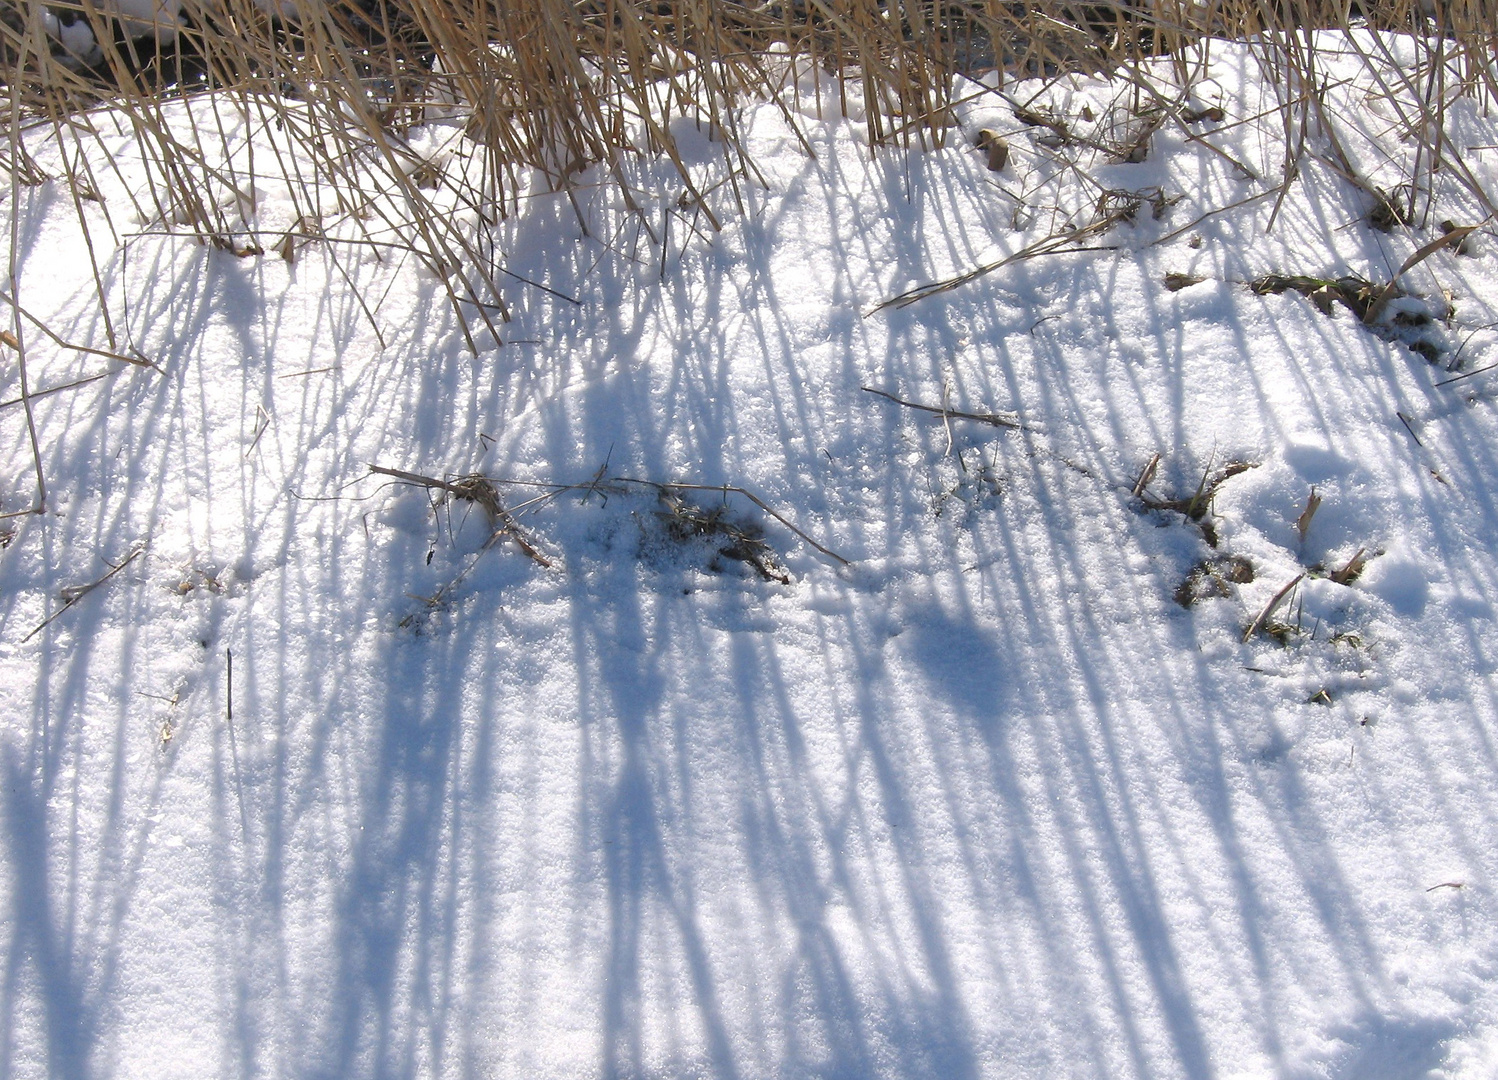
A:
[(75, 384), (244, 817), (947, 415), (1146, 475), (1467, 375), (71, 594), (1059, 244), (138, 361)]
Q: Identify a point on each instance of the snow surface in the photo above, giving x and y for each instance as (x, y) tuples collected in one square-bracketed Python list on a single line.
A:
[(987, 801)]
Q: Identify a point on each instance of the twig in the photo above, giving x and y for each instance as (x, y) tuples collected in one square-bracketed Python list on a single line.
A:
[(996, 419), (66, 386), (14, 271), (946, 414), (416, 478), (1063, 243), (1443, 382), (259, 430), (138, 361), (244, 818), (1212, 213), (309, 371), (71, 594), (518, 535), (1146, 475)]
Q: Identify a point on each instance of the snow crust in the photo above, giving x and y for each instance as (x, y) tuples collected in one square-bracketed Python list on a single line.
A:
[(986, 802)]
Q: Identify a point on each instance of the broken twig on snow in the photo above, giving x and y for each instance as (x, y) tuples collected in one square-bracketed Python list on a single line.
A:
[(1061, 243), (996, 419), (71, 594)]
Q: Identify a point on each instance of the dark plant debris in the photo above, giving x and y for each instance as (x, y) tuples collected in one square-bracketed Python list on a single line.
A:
[(1211, 114), (737, 541), (1115, 206), (1412, 328), (1042, 118), (1353, 568), (1214, 577), (1351, 291), (1462, 244), (996, 147), (1391, 208), (1175, 282)]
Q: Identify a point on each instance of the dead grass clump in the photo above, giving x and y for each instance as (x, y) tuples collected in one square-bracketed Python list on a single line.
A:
[(479, 490), (724, 535), (564, 84), (1349, 291), (681, 523), (1385, 310), (1392, 208)]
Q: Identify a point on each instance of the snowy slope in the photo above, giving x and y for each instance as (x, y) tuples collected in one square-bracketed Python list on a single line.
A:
[(985, 801)]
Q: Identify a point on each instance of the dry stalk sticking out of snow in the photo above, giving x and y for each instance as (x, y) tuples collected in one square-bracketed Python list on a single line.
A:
[(71, 594)]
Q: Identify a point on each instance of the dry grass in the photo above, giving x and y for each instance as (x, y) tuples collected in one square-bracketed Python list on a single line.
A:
[(562, 85), (557, 87)]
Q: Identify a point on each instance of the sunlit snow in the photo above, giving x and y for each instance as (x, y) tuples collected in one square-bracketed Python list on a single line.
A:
[(990, 800)]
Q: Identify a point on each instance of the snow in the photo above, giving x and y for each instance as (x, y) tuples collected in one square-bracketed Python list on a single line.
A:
[(985, 801)]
